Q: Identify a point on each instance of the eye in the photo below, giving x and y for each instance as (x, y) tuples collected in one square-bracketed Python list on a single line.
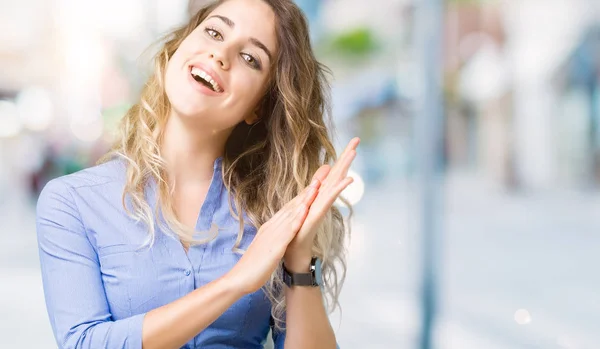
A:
[(213, 33), (251, 61)]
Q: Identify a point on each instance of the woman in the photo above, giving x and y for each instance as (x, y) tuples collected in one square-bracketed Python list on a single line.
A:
[(211, 220)]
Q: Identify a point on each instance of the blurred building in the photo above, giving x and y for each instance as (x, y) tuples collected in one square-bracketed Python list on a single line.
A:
[(576, 84), (503, 111)]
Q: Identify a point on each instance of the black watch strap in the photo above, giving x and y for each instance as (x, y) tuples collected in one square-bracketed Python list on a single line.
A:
[(300, 279)]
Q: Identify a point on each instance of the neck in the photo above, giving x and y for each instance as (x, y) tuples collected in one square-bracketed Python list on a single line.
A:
[(190, 153)]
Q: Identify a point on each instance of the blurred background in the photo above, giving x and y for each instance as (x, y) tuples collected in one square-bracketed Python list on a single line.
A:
[(512, 259)]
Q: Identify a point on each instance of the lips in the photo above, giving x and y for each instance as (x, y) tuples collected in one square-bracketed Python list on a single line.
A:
[(203, 78), (204, 75)]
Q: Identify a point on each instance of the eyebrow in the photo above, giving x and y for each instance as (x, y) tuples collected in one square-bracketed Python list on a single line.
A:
[(254, 41)]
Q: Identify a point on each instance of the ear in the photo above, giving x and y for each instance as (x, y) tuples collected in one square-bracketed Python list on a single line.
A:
[(252, 118)]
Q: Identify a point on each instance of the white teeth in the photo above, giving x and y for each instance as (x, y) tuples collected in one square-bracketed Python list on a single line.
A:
[(201, 73)]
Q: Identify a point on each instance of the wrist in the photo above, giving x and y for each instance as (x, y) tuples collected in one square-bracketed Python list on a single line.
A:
[(298, 263), (230, 285)]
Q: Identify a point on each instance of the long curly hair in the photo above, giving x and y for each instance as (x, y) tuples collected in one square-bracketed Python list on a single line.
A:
[(265, 165)]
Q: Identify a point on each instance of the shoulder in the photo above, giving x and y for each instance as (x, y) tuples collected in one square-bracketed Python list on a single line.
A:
[(103, 178), (109, 172)]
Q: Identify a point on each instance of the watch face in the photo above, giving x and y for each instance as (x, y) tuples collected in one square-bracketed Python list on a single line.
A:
[(318, 276)]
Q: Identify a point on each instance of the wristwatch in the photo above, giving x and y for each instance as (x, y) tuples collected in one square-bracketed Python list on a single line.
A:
[(313, 278)]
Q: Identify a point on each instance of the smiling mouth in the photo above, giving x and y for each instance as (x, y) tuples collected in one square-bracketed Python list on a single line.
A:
[(205, 79)]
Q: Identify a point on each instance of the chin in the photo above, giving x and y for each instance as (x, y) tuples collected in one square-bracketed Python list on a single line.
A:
[(184, 104), (187, 111)]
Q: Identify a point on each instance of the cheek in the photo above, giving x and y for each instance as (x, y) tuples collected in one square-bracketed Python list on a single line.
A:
[(170, 85), (249, 88), (173, 73)]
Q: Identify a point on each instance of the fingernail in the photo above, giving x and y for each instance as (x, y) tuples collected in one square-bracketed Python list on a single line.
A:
[(314, 183)]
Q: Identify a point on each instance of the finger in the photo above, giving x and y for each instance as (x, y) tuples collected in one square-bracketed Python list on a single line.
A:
[(301, 211), (307, 196), (339, 170), (298, 220), (347, 161), (289, 210), (354, 142), (287, 226), (351, 146), (293, 223), (281, 216), (289, 207), (338, 190), (314, 185), (329, 197), (343, 185), (321, 173), (310, 196)]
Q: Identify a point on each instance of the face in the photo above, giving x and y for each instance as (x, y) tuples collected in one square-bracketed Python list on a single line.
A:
[(220, 71)]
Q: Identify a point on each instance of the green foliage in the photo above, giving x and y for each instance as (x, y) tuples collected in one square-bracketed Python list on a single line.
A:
[(356, 42)]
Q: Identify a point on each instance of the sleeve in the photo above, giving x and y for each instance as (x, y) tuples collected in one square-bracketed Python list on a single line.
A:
[(73, 288)]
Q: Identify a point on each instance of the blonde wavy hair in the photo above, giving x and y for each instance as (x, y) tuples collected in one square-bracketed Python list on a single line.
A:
[(264, 165)]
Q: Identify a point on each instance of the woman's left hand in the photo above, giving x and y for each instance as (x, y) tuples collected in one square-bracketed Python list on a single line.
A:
[(333, 181)]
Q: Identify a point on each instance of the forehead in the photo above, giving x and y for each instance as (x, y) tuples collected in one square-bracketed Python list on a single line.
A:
[(252, 18)]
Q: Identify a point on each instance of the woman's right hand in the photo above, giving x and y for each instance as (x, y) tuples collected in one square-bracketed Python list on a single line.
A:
[(265, 252)]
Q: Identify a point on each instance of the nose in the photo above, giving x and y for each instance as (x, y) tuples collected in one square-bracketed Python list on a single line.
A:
[(220, 59)]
